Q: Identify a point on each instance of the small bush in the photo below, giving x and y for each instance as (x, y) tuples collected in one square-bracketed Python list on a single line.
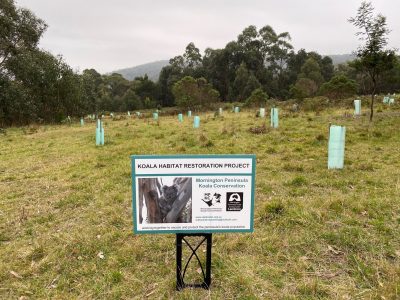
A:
[(203, 138), (377, 134), (271, 150), (315, 104), (37, 254), (258, 129), (258, 97), (293, 168), (204, 141), (298, 181), (339, 87), (272, 211), (116, 277), (181, 149)]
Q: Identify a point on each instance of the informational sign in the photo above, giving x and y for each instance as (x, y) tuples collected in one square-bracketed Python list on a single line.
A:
[(193, 193)]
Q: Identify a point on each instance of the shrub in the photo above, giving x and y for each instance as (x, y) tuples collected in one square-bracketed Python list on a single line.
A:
[(304, 88), (272, 210), (315, 104), (298, 181), (339, 87), (258, 97), (194, 93)]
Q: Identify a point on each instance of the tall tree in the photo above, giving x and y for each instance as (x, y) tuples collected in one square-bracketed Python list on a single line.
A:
[(168, 76), (192, 56), (20, 30), (145, 88), (91, 81), (194, 93), (217, 64), (311, 69), (308, 80), (372, 57), (276, 50), (245, 83)]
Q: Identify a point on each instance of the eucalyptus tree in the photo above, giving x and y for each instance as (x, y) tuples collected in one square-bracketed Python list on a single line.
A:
[(276, 49), (20, 30), (192, 93), (373, 57), (192, 56)]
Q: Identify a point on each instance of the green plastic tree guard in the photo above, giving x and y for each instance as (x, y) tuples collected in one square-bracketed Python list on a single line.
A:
[(82, 122), (102, 136), (220, 111), (262, 112), (98, 133), (155, 116), (357, 107), (237, 110), (189, 113), (180, 117), (196, 122), (337, 135), (274, 118)]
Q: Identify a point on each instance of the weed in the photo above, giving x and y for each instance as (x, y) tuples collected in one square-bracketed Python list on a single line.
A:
[(293, 168), (272, 210), (298, 181), (377, 134), (37, 253), (258, 129), (320, 138), (271, 150), (116, 277)]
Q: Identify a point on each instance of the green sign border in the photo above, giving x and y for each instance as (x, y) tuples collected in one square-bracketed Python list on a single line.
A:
[(252, 174)]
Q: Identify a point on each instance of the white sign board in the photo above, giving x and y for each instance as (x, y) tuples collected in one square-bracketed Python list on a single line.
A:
[(193, 193)]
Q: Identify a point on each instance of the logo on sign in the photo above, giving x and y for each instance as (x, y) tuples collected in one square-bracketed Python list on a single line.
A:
[(234, 201), (210, 199)]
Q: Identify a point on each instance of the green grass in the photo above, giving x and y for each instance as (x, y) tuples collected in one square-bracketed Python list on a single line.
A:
[(319, 233)]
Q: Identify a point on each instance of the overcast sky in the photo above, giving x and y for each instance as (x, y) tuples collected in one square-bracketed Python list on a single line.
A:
[(109, 35)]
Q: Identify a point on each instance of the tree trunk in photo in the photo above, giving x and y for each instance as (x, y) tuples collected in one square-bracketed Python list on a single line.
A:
[(148, 188), (141, 199)]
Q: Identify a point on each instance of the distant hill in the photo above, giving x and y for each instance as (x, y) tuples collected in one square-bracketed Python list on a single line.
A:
[(341, 58), (152, 70)]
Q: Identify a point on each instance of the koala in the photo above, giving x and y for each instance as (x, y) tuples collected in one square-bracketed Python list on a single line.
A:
[(168, 197)]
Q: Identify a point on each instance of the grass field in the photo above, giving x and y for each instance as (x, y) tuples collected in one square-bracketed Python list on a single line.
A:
[(66, 217)]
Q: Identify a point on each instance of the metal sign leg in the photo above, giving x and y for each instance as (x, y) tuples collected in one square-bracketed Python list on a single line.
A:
[(180, 272)]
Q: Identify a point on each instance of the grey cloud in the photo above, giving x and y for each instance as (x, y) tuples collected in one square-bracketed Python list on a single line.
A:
[(107, 35)]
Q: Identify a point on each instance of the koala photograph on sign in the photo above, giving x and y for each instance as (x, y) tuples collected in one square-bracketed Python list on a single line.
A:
[(165, 192), (193, 193)]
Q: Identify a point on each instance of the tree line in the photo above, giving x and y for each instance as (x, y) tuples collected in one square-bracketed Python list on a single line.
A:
[(36, 86)]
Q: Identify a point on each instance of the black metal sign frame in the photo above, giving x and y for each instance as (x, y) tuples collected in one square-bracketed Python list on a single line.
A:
[(180, 272)]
